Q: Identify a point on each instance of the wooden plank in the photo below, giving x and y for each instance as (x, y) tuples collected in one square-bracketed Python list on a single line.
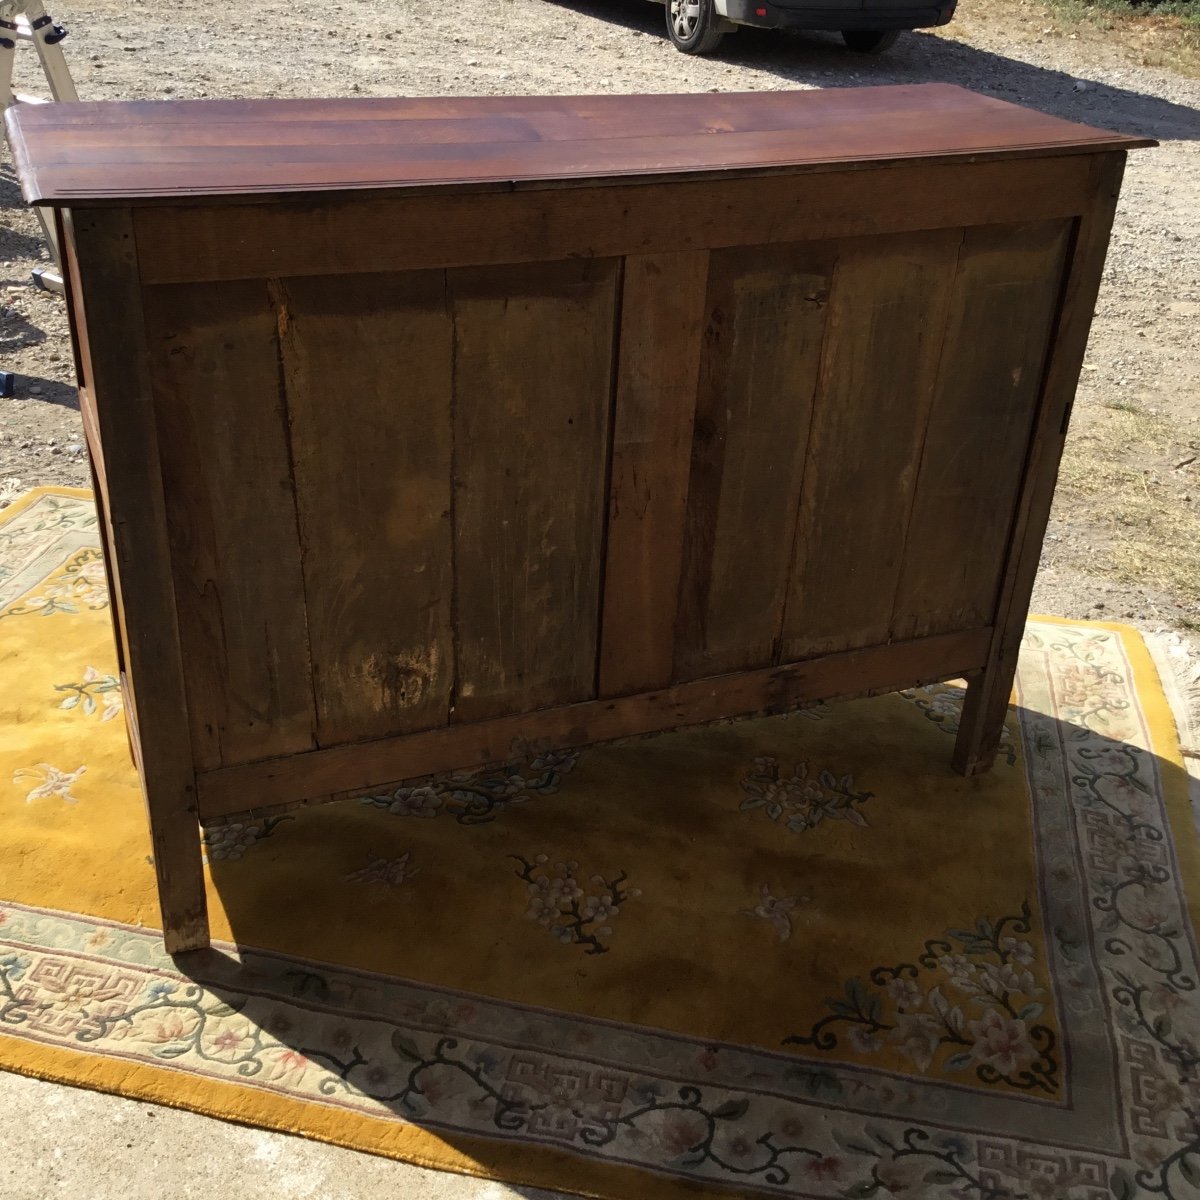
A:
[(662, 323), (240, 241), (1008, 284), (986, 702), (863, 672), (533, 353), (273, 146), (214, 363), (367, 366), (886, 322), (106, 284), (767, 310)]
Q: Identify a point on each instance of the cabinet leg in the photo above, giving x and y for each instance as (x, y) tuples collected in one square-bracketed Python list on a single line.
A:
[(181, 897), (982, 723)]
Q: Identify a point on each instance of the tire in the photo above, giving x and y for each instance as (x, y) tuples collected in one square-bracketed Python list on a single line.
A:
[(693, 26), (870, 41)]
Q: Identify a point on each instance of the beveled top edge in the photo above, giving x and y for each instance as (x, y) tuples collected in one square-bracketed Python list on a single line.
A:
[(106, 152)]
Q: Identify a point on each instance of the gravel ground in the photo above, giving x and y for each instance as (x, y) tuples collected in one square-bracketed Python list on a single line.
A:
[(1126, 527)]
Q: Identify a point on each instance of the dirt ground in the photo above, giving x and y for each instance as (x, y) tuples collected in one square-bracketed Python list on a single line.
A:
[(1124, 541)]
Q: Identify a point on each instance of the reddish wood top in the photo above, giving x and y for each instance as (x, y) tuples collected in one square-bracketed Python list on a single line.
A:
[(111, 152)]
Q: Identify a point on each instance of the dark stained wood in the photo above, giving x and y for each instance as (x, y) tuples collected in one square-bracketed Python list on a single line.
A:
[(887, 319), (767, 312), (1008, 283), (986, 702), (431, 434), (106, 285), (869, 671), (241, 241), (223, 444), (172, 148), (533, 351), (662, 322), (367, 366)]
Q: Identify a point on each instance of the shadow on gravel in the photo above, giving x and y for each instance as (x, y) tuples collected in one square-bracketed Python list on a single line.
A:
[(820, 60), (50, 391), (12, 243)]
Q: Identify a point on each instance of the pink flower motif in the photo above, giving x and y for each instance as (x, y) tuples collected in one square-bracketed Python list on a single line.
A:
[(228, 1039), (864, 1040), (1144, 909), (919, 1036), (898, 1175), (682, 1132), (1111, 761), (904, 992), (824, 1168), (171, 1028), (290, 1067), (1001, 1042), (1018, 951), (1119, 791), (707, 1058)]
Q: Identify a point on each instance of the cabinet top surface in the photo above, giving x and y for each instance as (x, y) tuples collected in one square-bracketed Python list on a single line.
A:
[(137, 151)]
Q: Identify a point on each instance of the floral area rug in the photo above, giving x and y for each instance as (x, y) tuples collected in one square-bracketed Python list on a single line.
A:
[(794, 956)]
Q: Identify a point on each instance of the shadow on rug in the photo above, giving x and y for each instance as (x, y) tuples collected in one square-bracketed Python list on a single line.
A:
[(794, 955)]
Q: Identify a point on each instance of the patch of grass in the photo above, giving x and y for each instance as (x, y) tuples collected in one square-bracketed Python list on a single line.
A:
[(1142, 531), (1160, 35)]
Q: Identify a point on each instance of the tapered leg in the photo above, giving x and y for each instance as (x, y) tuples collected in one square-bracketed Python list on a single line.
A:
[(181, 898), (982, 720)]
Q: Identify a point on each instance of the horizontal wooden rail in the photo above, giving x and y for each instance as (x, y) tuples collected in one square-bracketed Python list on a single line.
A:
[(340, 769), (255, 241)]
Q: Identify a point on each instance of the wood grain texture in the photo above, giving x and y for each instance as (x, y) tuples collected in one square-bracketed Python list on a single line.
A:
[(367, 366), (767, 311), (214, 364), (102, 150), (1005, 292), (422, 427), (986, 702), (887, 317), (241, 241), (533, 350), (662, 323), (865, 672), (105, 285)]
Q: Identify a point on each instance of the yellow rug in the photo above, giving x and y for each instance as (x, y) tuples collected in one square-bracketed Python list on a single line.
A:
[(795, 956)]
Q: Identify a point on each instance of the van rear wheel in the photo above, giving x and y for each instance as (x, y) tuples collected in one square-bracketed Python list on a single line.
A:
[(870, 41)]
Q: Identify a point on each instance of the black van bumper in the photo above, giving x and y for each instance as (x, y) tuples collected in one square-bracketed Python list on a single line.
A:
[(767, 14)]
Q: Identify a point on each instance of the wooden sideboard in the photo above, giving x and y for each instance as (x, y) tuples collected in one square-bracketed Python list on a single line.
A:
[(429, 434)]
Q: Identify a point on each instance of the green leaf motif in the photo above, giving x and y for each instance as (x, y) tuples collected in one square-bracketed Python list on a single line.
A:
[(1121, 1185), (405, 1047), (941, 1175), (1189, 1170), (847, 1143), (732, 1110), (878, 1134), (860, 1191)]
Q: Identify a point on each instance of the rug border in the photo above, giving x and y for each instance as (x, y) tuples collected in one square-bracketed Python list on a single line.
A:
[(539, 1166), (25, 499), (1166, 743)]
